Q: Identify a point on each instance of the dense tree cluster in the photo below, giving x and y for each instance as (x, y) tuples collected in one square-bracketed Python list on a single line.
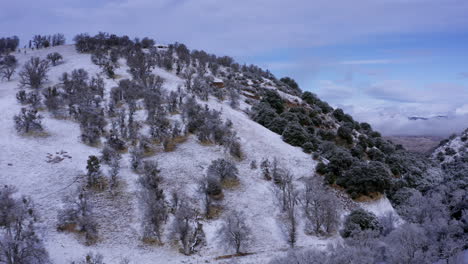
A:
[(292, 84), (8, 44), (209, 127), (433, 230), (101, 41), (45, 41), (316, 127)]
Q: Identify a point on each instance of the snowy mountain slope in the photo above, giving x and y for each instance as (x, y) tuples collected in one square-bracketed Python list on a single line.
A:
[(452, 148), (25, 163)]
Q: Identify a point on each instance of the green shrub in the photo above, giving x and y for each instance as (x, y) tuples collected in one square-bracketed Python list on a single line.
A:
[(263, 114), (309, 147), (326, 135), (274, 100), (345, 133), (359, 220), (295, 135), (321, 168), (278, 125), (365, 178)]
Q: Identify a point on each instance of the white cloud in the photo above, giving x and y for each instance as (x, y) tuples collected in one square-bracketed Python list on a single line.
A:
[(333, 91), (462, 110)]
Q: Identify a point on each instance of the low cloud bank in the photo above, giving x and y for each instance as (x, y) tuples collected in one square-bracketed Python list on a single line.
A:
[(390, 125)]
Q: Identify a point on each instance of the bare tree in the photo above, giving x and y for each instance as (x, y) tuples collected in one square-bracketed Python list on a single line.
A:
[(136, 155), (34, 73), (406, 245), (53, 100), (77, 214), (265, 166), (186, 229), (204, 189), (234, 232), (114, 174), (19, 241), (234, 98), (28, 120), (288, 197), (140, 65), (223, 169), (94, 173), (188, 75), (152, 200), (291, 215), (8, 66), (108, 61), (320, 208), (91, 258), (389, 222), (54, 58)]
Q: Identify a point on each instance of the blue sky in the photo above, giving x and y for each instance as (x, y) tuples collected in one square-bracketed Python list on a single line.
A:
[(379, 60)]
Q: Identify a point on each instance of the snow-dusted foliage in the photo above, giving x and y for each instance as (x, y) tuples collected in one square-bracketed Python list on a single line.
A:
[(320, 207), (235, 233), (185, 140), (8, 65), (19, 238), (34, 72), (54, 58), (152, 199), (186, 228), (77, 215), (28, 120)]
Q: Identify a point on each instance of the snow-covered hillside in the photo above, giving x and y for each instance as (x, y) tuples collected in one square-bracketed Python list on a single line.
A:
[(452, 148), (50, 166)]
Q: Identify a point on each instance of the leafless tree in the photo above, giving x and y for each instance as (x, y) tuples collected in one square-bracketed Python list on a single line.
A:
[(153, 202), (223, 169), (91, 258), (140, 64), (188, 75), (8, 65), (204, 190), (265, 166), (54, 58), (78, 212), (320, 208), (34, 73), (406, 244), (186, 229), (28, 120), (19, 241), (114, 173), (234, 232), (288, 196)]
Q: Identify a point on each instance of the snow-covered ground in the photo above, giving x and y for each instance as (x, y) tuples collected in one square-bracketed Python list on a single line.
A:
[(23, 163)]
